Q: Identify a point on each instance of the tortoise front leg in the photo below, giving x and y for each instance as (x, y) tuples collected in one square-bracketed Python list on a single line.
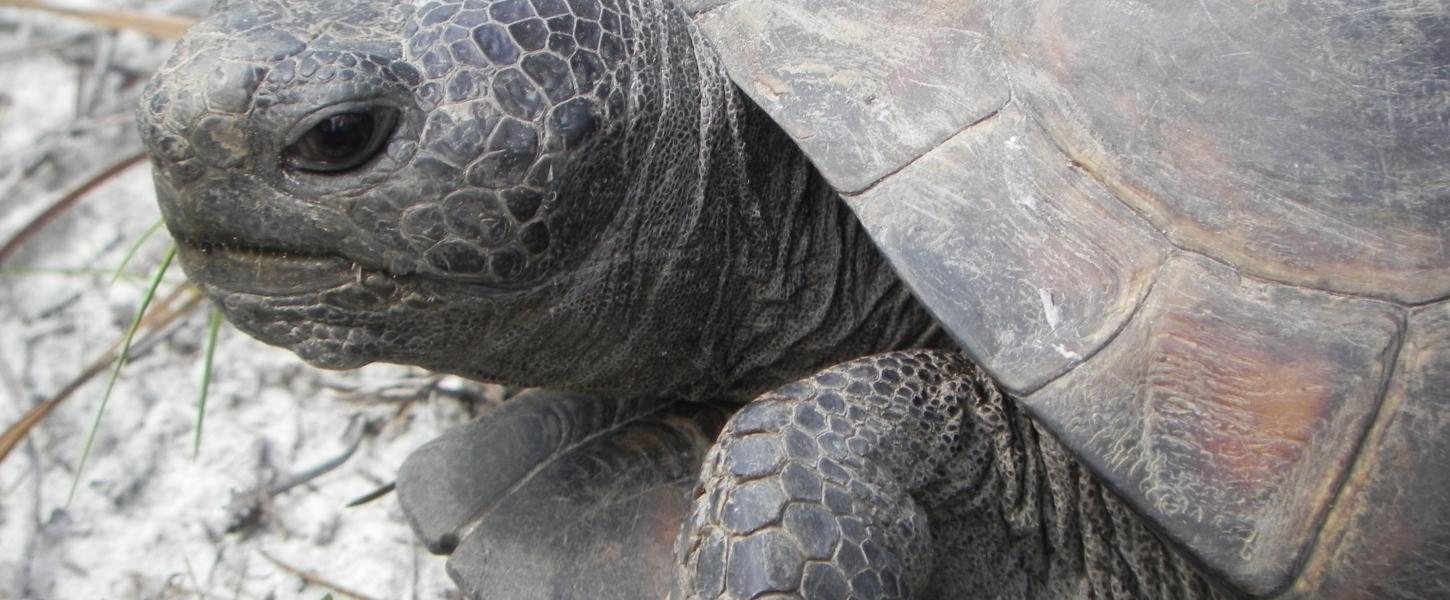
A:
[(910, 475), (556, 495), (808, 491)]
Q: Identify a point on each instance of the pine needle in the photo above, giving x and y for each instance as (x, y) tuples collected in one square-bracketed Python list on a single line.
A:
[(59, 272), (66, 201), (161, 26), (154, 323), (313, 578)]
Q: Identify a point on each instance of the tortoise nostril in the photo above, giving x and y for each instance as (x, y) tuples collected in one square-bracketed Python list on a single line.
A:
[(220, 141)]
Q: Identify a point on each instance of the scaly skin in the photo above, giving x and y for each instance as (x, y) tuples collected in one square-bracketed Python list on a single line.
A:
[(573, 195), (909, 475), (650, 234)]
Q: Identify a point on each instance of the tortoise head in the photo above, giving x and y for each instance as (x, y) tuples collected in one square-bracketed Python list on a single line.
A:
[(384, 181)]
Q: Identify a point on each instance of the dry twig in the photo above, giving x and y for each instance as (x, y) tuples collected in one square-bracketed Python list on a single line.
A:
[(66, 202), (155, 322), (313, 578), (162, 26)]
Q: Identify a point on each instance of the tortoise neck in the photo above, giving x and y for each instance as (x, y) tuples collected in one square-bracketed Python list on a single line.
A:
[(815, 291), (794, 283)]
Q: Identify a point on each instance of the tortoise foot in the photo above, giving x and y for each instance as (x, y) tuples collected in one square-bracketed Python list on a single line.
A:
[(559, 495)]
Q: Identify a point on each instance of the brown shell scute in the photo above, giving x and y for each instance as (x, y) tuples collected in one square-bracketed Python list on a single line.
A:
[(1229, 410), (1045, 264), (1302, 142), (1191, 240), (1388, 535), (863, 87)]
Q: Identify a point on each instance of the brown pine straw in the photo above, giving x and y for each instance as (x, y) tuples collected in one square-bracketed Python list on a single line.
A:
[(313, 578), (153, 324), (161, 26), (66, 202)]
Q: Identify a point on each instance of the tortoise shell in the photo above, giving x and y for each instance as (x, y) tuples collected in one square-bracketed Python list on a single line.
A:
[(1204, 242)]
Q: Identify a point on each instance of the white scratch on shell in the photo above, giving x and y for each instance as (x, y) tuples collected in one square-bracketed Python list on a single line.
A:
[(1068, 354), (1050, 310)]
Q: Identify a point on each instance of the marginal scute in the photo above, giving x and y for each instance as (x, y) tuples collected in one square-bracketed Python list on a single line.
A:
[(1030, 263), (1388, 536), (1228, 411), (862, 87)]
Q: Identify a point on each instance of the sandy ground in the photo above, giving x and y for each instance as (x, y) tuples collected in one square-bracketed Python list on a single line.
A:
[(150, 519)]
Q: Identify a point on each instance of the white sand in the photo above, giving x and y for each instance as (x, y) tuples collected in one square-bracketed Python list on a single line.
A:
[(148, 518)]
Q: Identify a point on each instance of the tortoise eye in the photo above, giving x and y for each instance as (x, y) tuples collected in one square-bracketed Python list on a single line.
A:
[(341, 142)]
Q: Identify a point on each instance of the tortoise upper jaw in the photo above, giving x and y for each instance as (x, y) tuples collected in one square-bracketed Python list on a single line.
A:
[(290, 250), (262, 272)]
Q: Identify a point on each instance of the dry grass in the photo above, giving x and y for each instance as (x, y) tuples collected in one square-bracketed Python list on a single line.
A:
[(145, 524), (161, 26)]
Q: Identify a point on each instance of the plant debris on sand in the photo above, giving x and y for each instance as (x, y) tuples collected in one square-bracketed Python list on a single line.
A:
[(261, 510)]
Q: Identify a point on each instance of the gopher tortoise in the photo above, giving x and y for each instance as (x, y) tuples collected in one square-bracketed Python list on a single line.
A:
[(836, 299)]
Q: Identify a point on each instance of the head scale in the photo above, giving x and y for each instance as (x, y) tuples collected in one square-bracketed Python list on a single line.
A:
[(332, 169)]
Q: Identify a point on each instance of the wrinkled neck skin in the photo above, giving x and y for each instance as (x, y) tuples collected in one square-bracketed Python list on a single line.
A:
[(746, 271)]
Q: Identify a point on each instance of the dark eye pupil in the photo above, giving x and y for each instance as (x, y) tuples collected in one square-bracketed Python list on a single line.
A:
[(340, 137), (341, 142)]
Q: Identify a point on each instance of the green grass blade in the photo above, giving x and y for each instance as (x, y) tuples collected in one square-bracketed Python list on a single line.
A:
[(212, 329), (116, 371), (136, 247)]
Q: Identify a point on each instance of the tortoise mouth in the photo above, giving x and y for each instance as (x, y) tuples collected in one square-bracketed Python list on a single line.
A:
[(263, 271)]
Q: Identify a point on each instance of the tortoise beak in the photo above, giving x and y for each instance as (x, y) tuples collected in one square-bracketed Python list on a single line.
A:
[(260, 272)]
